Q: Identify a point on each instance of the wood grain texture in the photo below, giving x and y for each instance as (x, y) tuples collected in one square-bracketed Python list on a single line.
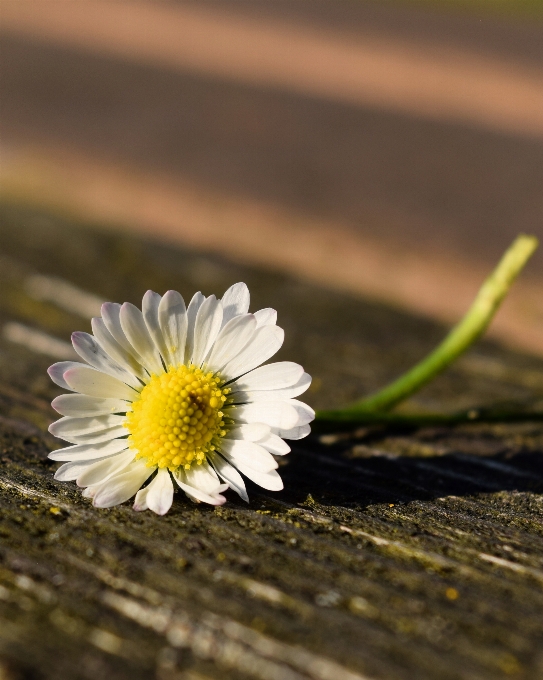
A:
[(391, 554)]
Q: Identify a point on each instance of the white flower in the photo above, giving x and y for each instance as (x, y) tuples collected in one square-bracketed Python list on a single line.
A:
[(175, 392)]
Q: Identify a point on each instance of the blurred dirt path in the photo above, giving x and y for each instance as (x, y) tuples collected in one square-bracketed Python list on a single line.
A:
[(442, 84), (254, 232)]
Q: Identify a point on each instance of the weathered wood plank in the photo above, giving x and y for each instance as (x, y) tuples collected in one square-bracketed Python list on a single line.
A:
[(392, 553)]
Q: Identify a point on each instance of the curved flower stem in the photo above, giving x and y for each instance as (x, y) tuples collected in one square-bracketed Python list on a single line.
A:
[(460, 338)]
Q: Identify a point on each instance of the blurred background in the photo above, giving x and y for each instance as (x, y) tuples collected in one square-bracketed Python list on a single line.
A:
[(391, 149)]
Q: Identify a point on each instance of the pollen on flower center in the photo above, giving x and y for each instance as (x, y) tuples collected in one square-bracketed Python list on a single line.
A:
[(177, 418)]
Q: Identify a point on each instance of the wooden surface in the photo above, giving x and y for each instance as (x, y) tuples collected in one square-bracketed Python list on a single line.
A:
[(392, 553)]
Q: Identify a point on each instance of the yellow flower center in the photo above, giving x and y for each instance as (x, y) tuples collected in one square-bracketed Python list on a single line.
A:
[(177, 418)]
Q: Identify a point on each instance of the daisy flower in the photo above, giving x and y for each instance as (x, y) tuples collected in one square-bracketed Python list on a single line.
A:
[(174, 394)]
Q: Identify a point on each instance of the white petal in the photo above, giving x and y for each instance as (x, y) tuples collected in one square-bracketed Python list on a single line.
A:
[(158, 495), (149, 308), (252, 433), (172, 316), (206, 328), (298, 432), (274, 444), (230, 475), (89, 492), (104, 469), (123, 357), (240, 452), (263, 345), (111, 314), (140, 502), (94, 383), (277, 376), (70, 471), (80, 405), (267, 480), (97, 437), (192, 311), (231, 340), (76, 426), (89, 451), (305, 413), (203, 477), (121, 487), (266, 317), (279, 414), (197, 494), (272, 395), (56, 373), (90, 351), (134, 328), (235, 301)]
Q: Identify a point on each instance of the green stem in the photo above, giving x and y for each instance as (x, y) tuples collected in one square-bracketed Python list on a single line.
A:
[(326, 423), (461, 337)]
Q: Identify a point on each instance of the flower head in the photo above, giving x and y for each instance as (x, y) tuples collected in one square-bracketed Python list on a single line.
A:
[(177, 393)]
